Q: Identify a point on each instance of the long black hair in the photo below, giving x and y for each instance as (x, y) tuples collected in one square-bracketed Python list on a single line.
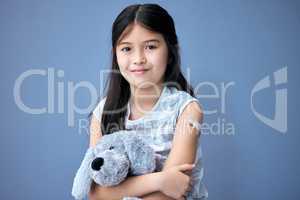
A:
[(154, 18)]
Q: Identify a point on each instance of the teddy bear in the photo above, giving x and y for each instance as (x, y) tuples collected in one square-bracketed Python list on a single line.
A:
[(115, 157)]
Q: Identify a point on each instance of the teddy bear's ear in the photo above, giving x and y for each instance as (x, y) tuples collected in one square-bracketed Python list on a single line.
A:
[(82, 181), (140, 154)]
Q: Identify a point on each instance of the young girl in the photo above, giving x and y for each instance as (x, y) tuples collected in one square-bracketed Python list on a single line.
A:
[(147, 92)]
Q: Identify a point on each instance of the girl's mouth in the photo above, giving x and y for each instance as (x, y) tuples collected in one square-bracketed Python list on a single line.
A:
[(139, 71)]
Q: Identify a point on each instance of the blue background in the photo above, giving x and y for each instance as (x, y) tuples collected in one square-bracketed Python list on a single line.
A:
[(221, 41)]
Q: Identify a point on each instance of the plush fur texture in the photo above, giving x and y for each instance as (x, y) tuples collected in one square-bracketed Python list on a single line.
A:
[(114, 157)]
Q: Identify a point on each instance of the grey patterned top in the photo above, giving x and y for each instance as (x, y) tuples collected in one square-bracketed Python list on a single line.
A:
[(158, 127)]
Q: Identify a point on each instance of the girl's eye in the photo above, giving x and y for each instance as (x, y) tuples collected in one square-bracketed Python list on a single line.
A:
[(125, 49), (151, 47), (111, 148)]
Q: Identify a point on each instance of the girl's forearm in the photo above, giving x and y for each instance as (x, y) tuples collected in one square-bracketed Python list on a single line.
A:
[(156, 196), (135, 186)]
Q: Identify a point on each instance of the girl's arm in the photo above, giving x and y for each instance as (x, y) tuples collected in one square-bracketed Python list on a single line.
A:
[(135, 186), (184, 144), (159, 196), (183, 151), (146, 186), (132, 186)]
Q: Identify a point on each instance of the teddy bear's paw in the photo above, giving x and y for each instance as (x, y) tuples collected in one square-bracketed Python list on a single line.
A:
[(131, 198)]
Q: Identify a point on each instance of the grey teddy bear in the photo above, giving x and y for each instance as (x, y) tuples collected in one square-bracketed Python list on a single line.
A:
[(115, 156)]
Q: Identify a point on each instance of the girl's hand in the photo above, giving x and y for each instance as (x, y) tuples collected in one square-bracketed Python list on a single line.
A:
[(175, 182)]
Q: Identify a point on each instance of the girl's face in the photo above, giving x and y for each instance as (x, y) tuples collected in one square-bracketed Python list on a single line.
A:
[(142, 57)]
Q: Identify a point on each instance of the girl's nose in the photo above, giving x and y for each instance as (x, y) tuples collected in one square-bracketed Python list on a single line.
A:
[(139, 58)]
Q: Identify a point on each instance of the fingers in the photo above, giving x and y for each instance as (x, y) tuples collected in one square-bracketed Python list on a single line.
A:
[(189, 189), (92, 195), (186, 167), (190, 186), (188, 172), (93, 187)]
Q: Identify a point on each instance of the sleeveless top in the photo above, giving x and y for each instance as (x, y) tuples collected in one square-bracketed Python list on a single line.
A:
[(158, 128)]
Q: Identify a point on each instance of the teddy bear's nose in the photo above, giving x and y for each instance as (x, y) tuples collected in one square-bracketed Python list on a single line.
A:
[(97, 163)]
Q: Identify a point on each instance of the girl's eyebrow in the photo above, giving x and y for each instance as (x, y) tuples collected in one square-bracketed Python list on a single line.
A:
[(152, 40), (146, 41)]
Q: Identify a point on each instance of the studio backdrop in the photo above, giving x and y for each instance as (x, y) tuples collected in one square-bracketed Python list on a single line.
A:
[(241, 57)]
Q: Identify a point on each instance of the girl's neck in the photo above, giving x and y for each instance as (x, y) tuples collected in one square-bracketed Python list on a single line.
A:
[(143, 100)]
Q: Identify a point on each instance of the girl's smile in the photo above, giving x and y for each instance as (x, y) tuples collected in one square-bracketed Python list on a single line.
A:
[(139, 71)]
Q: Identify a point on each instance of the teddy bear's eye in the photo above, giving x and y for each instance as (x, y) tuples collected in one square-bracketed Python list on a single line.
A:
[(110, 148)]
